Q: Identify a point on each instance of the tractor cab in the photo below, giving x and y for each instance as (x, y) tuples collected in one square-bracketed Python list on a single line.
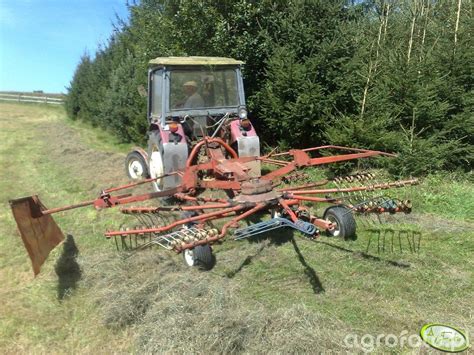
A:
[(189, 98)]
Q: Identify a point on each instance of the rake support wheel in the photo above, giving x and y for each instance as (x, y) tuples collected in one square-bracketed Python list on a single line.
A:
[(200, 257), (344, 220)]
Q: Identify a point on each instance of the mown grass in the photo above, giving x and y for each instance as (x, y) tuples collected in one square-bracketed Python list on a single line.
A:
[(98, 138), (281, 293), (32, 317)]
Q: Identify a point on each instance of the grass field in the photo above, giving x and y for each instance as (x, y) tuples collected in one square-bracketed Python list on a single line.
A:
[(284, 293)]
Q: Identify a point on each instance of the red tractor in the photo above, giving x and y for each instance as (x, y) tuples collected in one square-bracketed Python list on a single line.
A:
[(190, 98)]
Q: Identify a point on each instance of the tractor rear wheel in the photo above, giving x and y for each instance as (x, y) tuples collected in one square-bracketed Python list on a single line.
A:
[(200, 256), (345, 224)]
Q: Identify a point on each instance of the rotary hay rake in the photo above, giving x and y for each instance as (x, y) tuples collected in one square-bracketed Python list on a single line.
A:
[(197, 228)]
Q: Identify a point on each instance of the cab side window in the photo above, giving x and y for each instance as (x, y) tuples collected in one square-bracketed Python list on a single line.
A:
[(156, 93)]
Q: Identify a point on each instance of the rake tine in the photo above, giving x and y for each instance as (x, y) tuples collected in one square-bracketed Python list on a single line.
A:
[(400, 241), (376, 220), (366, 218), (358, 179), (149, 217), (368, 243), (363, 220), (142, 220), (379, 219), (392, 237), (349, 195), (384, 234), (137, 217), (378, 242), (409, 242), (116, 243), (392, 250), (419, 241), (340, 185)]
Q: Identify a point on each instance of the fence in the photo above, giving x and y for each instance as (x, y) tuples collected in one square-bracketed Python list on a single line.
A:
[(20, 97)]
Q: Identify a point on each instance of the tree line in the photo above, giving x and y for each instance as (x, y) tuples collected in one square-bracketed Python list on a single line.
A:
[(393, 75)]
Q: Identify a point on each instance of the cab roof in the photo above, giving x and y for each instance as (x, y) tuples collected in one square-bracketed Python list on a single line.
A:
[(163, 61)]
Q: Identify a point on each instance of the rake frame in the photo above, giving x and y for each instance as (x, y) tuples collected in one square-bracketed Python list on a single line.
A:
[(251, 196)]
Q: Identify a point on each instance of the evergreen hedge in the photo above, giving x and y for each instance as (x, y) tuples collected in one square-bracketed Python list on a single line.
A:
[(393, 75)]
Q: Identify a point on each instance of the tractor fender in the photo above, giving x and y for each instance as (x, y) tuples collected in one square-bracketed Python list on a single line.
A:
[(142, 152), (174, 149), (247, 143), (236, 132)]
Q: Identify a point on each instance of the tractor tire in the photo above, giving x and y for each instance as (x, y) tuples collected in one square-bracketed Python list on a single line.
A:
[(156, 167), (155, 159), (136, 167), (200, 257), (344, 220)]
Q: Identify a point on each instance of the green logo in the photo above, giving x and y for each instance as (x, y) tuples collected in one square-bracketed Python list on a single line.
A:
[(444, 337)]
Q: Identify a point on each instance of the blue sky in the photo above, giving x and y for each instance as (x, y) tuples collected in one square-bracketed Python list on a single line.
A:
[(41, 41)]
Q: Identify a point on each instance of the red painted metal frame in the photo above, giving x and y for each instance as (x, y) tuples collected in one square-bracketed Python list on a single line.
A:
[(202, 217), (357, 188), (228, 175), (232, 174)]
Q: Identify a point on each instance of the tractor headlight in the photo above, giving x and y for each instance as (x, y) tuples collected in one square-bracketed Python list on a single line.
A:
[(243, 113)]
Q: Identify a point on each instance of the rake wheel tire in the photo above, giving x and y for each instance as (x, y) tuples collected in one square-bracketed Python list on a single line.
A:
[(136, 167), (200, 256), (345, 222)]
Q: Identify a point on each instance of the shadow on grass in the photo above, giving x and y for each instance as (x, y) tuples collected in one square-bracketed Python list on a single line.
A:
[(67, 268), (313, 278), (264, 239), (282, 236), (366, 255), (246, 261)]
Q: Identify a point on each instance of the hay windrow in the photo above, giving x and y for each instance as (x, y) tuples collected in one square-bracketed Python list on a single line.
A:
[(177, 309)]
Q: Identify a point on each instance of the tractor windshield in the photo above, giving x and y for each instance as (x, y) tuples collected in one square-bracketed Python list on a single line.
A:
[(203, 89)]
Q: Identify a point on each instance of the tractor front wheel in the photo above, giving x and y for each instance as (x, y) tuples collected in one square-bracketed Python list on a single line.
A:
[(136, 166), (200, 256), (344, 221)]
